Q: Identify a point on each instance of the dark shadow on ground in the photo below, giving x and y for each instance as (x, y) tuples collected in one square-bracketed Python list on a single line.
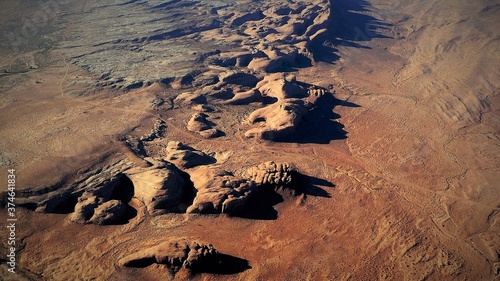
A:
[(224, 264), (261, 205), (312, 186), (319, 125), (349, 25)]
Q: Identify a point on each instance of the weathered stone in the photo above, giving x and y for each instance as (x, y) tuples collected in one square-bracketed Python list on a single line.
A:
[(219, 191), (160, 188), (271, 173), (185, 156), (108, 212), (85, 208), (175, 254)]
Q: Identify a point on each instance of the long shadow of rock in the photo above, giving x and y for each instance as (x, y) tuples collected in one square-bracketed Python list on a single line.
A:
[(225, 265), (310, 185), (320, 125), (348, 25), (261, 205)]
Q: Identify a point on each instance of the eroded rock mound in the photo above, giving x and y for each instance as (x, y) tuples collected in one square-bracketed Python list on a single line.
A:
[(158, 131), (189, 99), (100, 206), (272, 174), (175, 254), (281, 87), (161, 187), (277, 120), (185, 156), (199, 124), (109, 212), (281, 119), (220, 191)]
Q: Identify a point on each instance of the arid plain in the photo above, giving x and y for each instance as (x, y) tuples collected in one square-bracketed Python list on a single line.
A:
[(302, 140)]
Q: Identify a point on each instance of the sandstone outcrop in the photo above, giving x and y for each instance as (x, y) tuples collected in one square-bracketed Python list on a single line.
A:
[(199, 124), (175, 254), (108, 212), (189, 99), (161, 188), (220, 191), (273, 174), (62, 197), (99, 205), (279, 120), (184, 156), (282, 118)]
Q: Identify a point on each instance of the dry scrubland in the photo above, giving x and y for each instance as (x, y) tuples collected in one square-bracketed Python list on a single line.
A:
[(248, 140)]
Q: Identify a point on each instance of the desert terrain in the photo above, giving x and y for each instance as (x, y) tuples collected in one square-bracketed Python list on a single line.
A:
[(251, 140)]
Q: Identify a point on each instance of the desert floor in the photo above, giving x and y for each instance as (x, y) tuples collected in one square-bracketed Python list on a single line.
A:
[(404, 169)]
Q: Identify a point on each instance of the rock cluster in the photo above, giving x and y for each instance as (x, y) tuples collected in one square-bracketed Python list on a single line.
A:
[(158, 131), (100, 205), (175, 254)]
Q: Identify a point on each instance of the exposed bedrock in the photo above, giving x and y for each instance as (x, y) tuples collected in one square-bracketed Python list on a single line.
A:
[(200, 124), (161, 188), (184, 156), (95, 210), (183, 254), (276, 120), (282, 118), (223, 192), (277, 175), (175, 253), (219, 191)]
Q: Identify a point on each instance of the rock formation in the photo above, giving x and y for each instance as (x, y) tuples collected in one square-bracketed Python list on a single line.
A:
[(176, 254), (184, 156), (108, 212), (282, 118), (199, 124), (161, 187), (219, 191), (189, 99), (273, 174), (278, 120)]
